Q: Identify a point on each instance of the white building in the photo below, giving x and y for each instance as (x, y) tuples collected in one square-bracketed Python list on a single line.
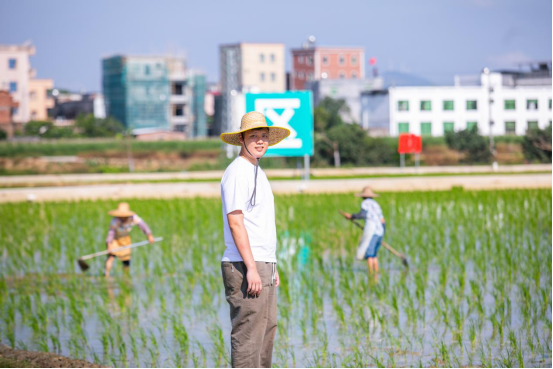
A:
[(515, 102)]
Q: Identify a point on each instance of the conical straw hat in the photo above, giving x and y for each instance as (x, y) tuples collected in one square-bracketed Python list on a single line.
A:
[(367, 192), (123, 210), (253, 120)]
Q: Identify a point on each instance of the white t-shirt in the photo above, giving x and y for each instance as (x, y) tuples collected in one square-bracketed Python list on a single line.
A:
[(236, 190)]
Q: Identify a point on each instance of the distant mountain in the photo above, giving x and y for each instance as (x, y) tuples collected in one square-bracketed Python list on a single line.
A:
[(392, 79)]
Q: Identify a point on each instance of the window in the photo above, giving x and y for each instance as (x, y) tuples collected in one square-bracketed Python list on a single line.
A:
[(354, 74), (12, 63), (147, 70), (403, 105), (301, 75), (309, 60), (353, 60), (261, 58), (448, 105), (310, 76), (15, 111), (471, 105), (403, 128), (273, 58), (471, 125), (13, 86), (262, 76), (179, 110), (33, 114), (426, 129), (300, 59), (449, 127), (341, 60), (532, 125), (510, 105), (549, 104), (325, 59), (342, 75), (177, 89), (510, 128), (426, 105), (273, 77), (531, 104)]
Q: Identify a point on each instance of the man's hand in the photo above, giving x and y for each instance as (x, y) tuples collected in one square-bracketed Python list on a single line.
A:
[(254, 282), (277, 278), (151, 238)]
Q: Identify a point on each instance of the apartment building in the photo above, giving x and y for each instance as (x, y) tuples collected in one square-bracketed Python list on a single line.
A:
[(313, 63), (18, 78)]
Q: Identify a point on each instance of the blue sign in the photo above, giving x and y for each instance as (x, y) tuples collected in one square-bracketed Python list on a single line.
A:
[(292, 110)]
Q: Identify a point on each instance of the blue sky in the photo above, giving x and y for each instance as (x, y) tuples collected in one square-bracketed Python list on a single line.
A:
[(435, 39)]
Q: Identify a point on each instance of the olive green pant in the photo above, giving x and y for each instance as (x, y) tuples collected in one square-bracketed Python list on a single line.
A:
[(253, 318)]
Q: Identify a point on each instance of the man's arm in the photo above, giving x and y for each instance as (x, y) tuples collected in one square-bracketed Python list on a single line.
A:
[(143, 227), (240, 236)]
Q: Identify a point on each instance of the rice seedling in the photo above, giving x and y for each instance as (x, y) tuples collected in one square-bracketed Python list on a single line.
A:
[(478, 292)]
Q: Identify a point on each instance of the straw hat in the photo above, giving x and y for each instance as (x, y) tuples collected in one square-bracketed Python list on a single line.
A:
[(253, 120), (367, 192), (123, 210)]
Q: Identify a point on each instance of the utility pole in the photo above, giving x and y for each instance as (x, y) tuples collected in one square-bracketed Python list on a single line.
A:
[(490, 101)]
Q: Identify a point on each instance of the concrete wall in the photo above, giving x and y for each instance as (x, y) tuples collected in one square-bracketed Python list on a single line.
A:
[(263, 67), (39, 99), (460, 115)]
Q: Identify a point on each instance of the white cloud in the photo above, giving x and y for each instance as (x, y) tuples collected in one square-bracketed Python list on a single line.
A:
[(511, 59)]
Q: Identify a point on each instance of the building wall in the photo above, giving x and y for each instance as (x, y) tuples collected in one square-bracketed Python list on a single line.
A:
[(17, 76), (460, 116), (262, 67), (40, 99), (326, 63)]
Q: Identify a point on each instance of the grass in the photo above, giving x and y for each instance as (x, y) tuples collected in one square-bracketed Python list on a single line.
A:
[(478, 292)]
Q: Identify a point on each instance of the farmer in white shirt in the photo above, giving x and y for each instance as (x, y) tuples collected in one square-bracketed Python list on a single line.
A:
[(249, 262)]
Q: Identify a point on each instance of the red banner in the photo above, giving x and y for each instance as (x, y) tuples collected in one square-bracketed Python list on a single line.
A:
[(409, 144)]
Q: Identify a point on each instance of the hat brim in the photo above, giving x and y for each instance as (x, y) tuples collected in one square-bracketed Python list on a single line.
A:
[(276, 134), (121, 214), (367, 195)]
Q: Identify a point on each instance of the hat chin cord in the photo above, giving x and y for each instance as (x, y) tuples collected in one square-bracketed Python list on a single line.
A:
[(252, 199)]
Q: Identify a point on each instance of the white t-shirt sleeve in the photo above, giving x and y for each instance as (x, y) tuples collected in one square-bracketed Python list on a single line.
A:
[(235, 192)]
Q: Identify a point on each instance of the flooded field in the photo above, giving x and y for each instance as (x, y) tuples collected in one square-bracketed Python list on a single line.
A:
[(477, 293)]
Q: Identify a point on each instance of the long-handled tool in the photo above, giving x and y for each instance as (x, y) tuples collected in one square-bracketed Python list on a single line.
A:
[(84, 266), (390, 248)]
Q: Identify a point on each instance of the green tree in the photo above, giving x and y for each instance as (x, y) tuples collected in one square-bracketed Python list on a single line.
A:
[(46, 129), (327, 114), (89, 126), (3, 135), (470, 143), (537, 145)]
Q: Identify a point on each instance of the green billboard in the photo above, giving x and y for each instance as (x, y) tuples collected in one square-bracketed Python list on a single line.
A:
[(292, 110)]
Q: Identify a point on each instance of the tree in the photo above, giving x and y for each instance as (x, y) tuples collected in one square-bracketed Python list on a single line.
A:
[(327, 114), (470, 143), (47, 129), (537, 145), (89, 126), (3, 135)]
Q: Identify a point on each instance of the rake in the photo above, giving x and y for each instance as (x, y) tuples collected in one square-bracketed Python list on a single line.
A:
[(390, 248), (84, 266)]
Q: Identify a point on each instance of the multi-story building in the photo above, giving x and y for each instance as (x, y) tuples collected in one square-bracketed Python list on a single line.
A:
[(7, 107), (40, 98), (349, 90), (503, 102), (69, 105), (17, 77), (151, 92), (253, 67), (313, 63)]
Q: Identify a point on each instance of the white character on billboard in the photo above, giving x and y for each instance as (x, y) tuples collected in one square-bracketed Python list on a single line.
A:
[(268, 106)]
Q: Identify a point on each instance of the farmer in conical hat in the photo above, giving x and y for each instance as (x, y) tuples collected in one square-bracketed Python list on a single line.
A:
[(119, 235), (373, 232), (248, 265)]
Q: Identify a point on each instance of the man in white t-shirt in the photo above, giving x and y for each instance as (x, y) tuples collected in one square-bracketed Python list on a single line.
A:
[(249, 262)]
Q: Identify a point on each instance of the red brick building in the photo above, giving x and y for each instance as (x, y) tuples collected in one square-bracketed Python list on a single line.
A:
[(7, 106), (315, 63)]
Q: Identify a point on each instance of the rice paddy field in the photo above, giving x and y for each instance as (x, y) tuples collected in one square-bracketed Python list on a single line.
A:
[(477, 293)]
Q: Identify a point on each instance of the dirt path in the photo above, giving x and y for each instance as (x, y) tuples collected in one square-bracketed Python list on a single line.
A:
[(212, 189), (10, 358)]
